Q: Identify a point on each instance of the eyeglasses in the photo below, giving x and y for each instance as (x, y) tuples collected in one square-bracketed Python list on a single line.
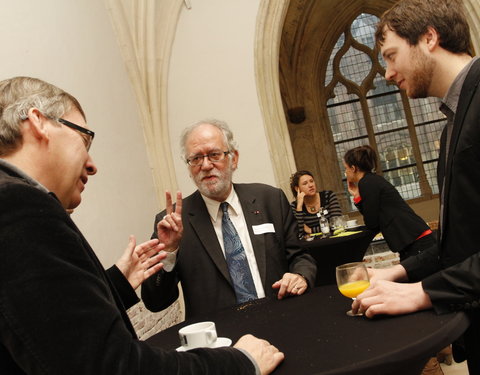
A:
[(213, 157), (87, 135)]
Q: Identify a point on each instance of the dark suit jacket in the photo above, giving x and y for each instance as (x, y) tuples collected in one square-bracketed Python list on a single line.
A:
[(201, 265), (384, 210), (451, 275), (60, 312)]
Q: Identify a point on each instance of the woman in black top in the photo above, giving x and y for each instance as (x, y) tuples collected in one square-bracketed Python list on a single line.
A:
[(309, 201), (382, 207)]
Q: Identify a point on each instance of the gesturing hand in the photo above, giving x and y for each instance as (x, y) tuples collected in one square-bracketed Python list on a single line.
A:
[(138, 263), (170, 228)]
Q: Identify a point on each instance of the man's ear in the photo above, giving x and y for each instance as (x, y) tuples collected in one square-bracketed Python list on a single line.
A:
[(431, 38), (37, 123), (235, 157)]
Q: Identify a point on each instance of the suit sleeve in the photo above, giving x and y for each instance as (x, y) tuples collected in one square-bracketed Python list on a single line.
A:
[(56, 302), (161, 289), (300, 217), (298, 260), (123, 287), (455, 288)]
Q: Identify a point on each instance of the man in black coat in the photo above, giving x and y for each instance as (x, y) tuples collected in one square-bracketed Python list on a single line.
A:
[(60, 313), (426, 45), (261, 215)]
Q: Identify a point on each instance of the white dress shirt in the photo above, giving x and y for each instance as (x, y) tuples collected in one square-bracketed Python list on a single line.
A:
[(238, 219)]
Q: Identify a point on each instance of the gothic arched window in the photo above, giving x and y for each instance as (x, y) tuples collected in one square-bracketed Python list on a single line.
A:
[(364, 109)]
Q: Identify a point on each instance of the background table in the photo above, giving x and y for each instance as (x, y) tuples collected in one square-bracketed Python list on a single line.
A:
[(317, 336), (332, 252)]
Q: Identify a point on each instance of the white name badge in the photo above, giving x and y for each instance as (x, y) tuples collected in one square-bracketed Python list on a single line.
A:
[(263, 228)]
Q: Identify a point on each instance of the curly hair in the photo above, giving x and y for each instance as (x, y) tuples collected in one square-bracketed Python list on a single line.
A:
[(295, 178)]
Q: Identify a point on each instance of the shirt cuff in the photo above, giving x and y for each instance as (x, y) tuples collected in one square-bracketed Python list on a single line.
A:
[(170, 261), (247, 354)]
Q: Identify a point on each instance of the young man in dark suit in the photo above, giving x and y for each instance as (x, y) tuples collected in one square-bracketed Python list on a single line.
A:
[(426, 46), (60, 313), (275, 263)]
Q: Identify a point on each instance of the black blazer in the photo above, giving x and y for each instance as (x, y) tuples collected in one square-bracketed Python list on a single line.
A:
[(201, 267), (451, 275), (60, 312), (457, 286), (384, 210)]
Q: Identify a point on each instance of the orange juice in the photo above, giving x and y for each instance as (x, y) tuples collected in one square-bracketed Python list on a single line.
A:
[(354, 288)]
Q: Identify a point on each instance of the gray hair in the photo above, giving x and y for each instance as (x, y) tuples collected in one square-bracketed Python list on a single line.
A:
[(17, 96), (221, 125)]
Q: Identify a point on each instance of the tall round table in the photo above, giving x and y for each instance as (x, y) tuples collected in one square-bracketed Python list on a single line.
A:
[(317, 336), (334, 251)]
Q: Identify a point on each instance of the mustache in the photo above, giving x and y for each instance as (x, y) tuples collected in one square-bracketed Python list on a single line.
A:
[(202, 175)]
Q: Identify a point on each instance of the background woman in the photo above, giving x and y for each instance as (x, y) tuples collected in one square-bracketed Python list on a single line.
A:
[(382, 207), (308, 202)]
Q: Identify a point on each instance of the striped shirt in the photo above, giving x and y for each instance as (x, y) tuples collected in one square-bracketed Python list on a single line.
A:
[(328, 201)]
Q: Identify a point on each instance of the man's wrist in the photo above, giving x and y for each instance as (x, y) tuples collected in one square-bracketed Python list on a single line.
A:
[(304, 278)]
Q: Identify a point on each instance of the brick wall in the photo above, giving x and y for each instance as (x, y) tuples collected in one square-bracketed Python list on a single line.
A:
[(147, 323), (379, 255)]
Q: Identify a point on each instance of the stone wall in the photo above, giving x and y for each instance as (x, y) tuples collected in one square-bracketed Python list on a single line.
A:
[(147, 323), (379, 255)]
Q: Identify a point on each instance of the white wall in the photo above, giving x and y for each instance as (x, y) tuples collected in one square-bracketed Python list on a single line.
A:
[(71, 44), (212, 75)]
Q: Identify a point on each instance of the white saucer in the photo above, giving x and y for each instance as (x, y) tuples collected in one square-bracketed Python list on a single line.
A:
[(221, 341), (353, 227)]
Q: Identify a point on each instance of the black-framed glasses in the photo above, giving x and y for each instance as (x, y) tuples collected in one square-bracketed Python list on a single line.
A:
[(213, 156), (86, 134)]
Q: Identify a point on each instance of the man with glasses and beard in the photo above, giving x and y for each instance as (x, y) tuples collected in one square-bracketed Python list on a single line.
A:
[(229, 243)]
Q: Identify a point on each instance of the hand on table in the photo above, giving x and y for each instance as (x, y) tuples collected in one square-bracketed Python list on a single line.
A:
[(290, 284), (170, 228), (387, 297), (267, 356), (138, 263)]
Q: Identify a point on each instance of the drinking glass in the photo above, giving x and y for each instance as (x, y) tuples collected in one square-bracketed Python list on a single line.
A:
[(352, 279), (340, 223)]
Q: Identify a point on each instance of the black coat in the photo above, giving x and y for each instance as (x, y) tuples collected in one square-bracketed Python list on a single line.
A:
[(59, 311), (384, 210), (451, 275)]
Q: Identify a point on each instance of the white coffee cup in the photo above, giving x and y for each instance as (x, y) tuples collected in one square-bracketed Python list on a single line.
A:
[(352, 223), (198, 335)]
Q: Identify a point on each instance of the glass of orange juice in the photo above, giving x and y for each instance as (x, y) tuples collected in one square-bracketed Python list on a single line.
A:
[(352, 279)]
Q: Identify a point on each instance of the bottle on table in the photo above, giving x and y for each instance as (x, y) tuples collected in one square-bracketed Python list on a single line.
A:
[(324, 224)]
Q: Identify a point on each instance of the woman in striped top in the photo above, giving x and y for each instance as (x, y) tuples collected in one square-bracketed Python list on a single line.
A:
[(309, 201)]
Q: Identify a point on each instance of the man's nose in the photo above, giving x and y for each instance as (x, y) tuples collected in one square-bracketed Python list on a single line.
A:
[(389, 74), (206, 163), (90, 166)]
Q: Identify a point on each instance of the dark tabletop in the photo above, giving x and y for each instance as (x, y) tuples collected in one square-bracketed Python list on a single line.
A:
[(317, 336), (332, 252)]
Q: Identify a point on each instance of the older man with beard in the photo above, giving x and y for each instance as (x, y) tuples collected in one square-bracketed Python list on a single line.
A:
[(230, 243)]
